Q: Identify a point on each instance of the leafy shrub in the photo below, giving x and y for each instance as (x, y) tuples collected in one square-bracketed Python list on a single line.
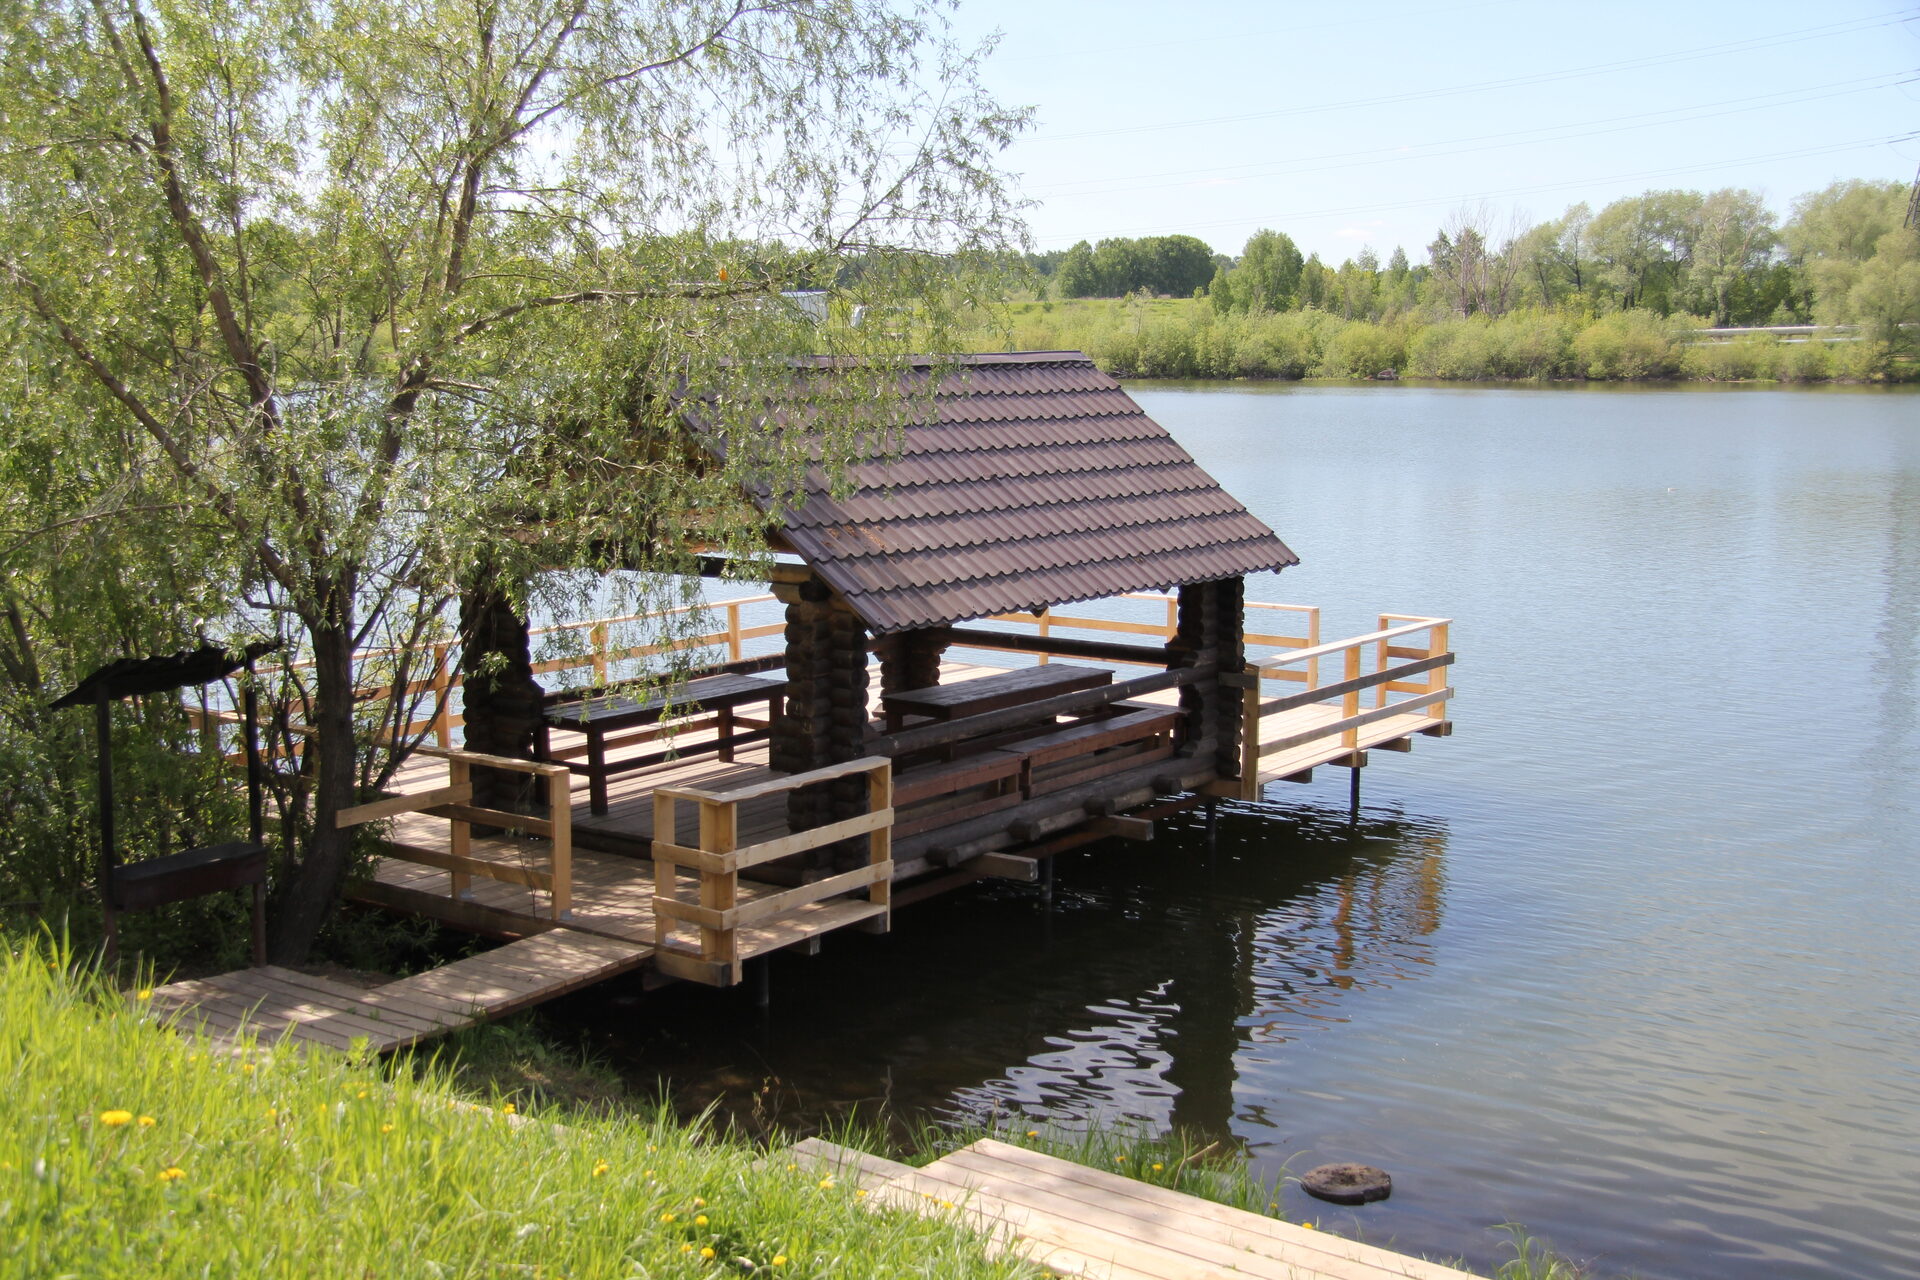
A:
[(1628, 346)]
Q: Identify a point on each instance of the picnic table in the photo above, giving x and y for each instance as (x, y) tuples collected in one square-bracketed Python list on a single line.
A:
[(990, 693), (598, 717)]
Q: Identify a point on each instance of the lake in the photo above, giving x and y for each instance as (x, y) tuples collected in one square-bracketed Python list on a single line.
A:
[(1630, 960)]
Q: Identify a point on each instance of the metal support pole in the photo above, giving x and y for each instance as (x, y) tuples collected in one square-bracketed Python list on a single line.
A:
[(1353, 797), (1046, 882)]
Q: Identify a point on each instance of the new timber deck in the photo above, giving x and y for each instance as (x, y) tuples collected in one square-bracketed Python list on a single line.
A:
[(1083, 1222), (277, 1005)]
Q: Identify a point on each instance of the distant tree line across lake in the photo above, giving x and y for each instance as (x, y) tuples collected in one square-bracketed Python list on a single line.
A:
[(1514, 299)]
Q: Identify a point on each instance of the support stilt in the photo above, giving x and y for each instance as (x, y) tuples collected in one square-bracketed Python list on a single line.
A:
[(1213, 825), (1046, 882), (1353, 798), (760, 978)]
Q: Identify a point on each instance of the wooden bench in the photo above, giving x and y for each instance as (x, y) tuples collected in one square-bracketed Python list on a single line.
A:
[(596, 718), (999, 772), (1135, 723), (1020, 767), (990, 693)]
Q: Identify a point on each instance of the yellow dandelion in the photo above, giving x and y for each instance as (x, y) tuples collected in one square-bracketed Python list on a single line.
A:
[(172, 1173), (114, 1119), (826, 1182), (246, 1068), (600, 1167), (361, 1094), (700, 1221), (144, 993), (272, 1112), (860, 1195), (698, 1203), (1157, 1166), (387, 1128), (666, 1217), (706, 1251), (509, 1108), (147, 1122), (792, 1167), (686, 1248), (1033, 1133), (1119, 1159), (779, 1259)]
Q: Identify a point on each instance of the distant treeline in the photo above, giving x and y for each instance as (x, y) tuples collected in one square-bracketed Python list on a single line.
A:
[(1842, 256), (1138, 338)]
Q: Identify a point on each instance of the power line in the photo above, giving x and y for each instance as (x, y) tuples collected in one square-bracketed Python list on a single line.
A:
[(1751, 44)]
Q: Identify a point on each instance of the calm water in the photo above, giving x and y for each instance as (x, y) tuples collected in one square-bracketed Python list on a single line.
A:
[(1629, 960)]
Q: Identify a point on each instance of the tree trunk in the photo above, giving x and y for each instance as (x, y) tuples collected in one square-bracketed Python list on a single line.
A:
[(311, 890)]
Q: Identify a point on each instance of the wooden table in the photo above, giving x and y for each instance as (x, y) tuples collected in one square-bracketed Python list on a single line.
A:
[(598, 717), (990, 693)]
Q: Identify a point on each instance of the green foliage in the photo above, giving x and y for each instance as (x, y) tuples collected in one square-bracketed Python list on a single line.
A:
[(1628, 346), (307, 309), (129, 1152)]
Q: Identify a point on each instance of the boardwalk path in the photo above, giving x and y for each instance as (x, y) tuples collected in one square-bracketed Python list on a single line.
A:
[(275, 1003), (1077, 1221)]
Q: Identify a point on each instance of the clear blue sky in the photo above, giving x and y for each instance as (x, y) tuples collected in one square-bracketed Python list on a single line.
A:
[(1347, 125)]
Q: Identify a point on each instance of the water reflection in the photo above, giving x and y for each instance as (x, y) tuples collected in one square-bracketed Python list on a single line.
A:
[(1128, 1000)]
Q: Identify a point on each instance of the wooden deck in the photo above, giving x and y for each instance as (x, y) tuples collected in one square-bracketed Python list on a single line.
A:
[(1076, 1221), (276, 1005)]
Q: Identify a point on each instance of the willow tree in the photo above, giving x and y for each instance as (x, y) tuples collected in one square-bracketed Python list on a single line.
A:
[(364, 290)]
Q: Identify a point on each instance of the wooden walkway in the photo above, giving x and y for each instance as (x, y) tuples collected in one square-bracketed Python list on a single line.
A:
[(278, 1005), (1076, 1221)]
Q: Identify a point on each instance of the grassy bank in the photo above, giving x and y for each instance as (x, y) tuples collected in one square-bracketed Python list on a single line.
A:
[(124, 1152), (1187, 338)]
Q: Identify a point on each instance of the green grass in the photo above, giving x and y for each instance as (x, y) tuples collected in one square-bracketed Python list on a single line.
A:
[(129, 1151)]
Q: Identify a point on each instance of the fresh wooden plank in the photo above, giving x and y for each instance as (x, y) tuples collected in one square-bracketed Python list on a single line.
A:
[(1163, 1204), (419, 1005), (769, 905), (299, 1004), (374, 810)]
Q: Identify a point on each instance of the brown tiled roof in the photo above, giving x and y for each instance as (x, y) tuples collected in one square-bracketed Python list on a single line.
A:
[(1037, 481)]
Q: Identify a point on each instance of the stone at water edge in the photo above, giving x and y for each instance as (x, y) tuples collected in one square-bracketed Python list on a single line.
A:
[(1347, 1183)]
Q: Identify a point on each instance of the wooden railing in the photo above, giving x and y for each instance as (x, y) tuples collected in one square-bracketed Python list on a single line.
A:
[(1165, 629), (455, 803), (443, 677), (720, 914), (1400, 666)]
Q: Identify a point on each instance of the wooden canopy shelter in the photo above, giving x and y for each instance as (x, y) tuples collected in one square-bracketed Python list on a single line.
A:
[(1025, 480)]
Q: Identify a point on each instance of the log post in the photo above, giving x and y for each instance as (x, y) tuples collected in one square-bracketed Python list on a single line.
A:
[(911, 659), (825, 719), (501, 700), (1211, 627)]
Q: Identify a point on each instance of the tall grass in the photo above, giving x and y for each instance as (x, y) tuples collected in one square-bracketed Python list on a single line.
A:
[(129, 1151)]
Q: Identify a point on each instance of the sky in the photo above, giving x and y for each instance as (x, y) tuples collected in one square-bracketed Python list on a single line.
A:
[(1349, 125)]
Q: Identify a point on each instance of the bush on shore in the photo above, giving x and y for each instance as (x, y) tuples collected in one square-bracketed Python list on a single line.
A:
[(1182, 338)]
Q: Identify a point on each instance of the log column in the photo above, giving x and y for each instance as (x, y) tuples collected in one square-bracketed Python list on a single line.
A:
[(502, 701), (911, 659), (825, 720), (1211, 628)]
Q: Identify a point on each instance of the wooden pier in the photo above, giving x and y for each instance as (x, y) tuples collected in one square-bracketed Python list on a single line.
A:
[(759, 797), (1089, 1223)]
